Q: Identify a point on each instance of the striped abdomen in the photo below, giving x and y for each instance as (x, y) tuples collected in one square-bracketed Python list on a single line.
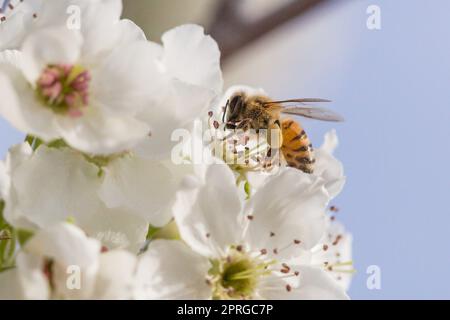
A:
[(297, 149)]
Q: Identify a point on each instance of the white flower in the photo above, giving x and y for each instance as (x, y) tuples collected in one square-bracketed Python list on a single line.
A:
[(111, 198), (237, 250), (49, 185), (85, 90), (61, 262), (92, 17), (53, 185), (190, 65)]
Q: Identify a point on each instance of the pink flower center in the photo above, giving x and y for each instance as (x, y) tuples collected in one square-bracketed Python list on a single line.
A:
[(64, 89)]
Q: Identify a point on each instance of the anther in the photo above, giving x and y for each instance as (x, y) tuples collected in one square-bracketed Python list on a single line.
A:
[(338, 238), (334, 209)]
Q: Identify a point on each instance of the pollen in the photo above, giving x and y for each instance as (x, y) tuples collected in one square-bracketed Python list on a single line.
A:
[(237, 275), (64, 89)]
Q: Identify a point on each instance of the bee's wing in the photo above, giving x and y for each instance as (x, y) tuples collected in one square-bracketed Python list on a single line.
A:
[(304, 100), (313, 113)]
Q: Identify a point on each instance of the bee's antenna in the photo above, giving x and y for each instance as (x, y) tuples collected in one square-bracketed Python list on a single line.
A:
[(225, 111)]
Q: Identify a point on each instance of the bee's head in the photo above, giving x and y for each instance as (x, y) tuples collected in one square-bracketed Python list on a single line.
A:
[(233, 111)]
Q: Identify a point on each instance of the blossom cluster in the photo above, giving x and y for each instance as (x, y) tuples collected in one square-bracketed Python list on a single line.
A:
[(92, 203)]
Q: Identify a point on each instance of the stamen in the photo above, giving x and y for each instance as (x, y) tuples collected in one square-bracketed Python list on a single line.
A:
[(237, 275), (64, 89), (293, 243), (338, 238)]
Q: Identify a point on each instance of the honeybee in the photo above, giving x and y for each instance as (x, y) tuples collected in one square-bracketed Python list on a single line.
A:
[(259, 112)]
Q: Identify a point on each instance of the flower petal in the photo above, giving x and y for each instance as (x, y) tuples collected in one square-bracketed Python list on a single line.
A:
[(311, 284), (67, 247), (142, 186), (5, 182), (128, 80), (66, 244), (331, 171), (288, 213), (100, 133), (43, 47), (316, 284), (71, 191), (10, 286), (337, 258), (105, 38), (170, 270), (115, 276), (14, 29), (208, 212), (115, 228), (93, 13), (179, 107), (20, 107), (26, 281), (192, 57), (330, 142), (328, 167)]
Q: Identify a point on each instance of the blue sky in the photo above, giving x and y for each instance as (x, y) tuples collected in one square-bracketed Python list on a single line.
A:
[(394, 93), (392, 86)]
